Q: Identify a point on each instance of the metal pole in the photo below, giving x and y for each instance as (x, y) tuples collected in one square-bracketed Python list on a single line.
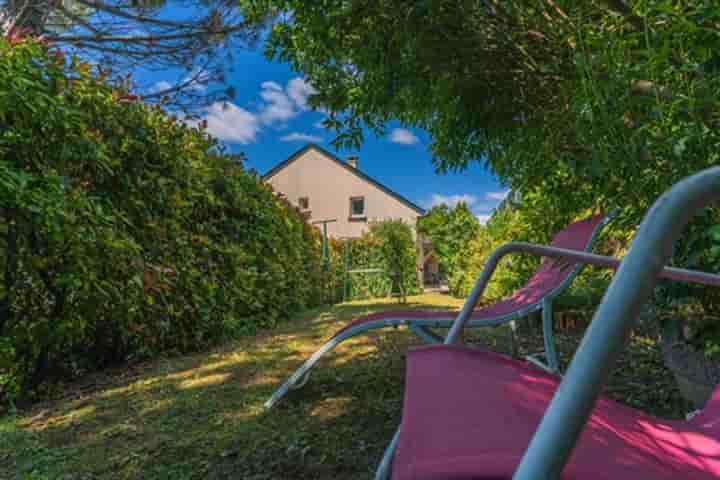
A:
[(325, 235), (325, 242), (346, 275)]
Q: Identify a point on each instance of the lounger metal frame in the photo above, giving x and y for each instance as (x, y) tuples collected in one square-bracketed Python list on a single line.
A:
[(421, 328)]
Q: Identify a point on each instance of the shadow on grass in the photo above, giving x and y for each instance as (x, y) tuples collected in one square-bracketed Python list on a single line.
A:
[(201, 416)]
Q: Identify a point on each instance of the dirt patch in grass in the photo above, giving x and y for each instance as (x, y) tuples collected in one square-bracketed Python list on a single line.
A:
[(201, 416)]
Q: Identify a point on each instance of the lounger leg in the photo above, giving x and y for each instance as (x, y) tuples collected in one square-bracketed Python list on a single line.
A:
[(384, 470), (300, 377), (301, 382), (513, 337), (547, 359), (426, 334), (550, 352)]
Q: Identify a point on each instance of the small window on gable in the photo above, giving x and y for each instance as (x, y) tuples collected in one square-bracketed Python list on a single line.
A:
[(357, 206), (304, 203)]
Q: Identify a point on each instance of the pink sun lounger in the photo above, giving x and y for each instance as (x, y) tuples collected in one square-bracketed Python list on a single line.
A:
[(549, 281), (475, 414)]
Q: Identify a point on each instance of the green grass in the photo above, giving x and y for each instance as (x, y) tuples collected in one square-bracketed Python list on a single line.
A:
[(201, 416)]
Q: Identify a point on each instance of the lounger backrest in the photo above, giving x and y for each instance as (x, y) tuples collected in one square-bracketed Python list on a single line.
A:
[(553, 274)]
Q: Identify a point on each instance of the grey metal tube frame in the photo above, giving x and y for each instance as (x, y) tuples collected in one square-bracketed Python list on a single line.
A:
[(553, 441), (555, 438), (420, 327)]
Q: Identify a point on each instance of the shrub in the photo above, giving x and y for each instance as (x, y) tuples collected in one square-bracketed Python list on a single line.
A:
[(399, 254), (388, 246), (505, 226), (124, 233), (451, 230), (534, 218)]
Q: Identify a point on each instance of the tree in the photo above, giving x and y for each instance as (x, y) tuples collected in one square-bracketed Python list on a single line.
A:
[(120, 36), (450, 229), (397, 249)]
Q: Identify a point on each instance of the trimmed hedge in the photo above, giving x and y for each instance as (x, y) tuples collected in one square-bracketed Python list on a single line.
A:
[(124, 233)]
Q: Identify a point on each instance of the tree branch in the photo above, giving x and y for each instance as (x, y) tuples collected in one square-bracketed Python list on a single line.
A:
[(119, 12), (149, 39), (181, 86), (77, 19)]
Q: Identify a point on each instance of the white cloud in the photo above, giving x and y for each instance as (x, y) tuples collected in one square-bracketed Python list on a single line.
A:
[(482, 210), (278, 106), (300, 137), (483, 219), (231, 123), (299, 90), (282, 104), (160, 86), (234, 124), (499, 196), (270, 85), (452, 200), (403, 137)]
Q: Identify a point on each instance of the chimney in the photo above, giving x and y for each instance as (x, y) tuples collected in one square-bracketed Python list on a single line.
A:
[(353, 161)]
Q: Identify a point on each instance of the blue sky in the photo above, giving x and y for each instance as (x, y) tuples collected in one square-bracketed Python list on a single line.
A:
[(269, 120)]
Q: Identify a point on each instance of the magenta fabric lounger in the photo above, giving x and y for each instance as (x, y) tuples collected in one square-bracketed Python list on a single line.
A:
[(470, 414), (473, 414), (550, 279)]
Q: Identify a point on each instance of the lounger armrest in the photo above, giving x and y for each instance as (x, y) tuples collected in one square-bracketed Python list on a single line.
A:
[(587, 258), (517, 247)]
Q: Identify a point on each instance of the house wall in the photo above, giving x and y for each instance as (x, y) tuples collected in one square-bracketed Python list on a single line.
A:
[(329, 187)]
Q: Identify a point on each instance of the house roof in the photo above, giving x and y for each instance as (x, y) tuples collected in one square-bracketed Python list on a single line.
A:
[(354, 171)]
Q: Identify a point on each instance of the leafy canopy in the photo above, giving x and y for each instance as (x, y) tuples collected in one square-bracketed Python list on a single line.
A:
[(602, 103)]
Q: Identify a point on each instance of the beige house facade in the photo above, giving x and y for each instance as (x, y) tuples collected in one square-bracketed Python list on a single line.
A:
[(326, 188)]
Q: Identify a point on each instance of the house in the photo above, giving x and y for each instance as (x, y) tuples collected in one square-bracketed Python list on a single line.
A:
[(325, 187)]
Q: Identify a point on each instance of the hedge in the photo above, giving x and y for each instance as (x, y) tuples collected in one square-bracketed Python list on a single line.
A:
[(124, 232)]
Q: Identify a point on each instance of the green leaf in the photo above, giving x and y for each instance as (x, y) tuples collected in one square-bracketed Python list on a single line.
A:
[(714, 233)]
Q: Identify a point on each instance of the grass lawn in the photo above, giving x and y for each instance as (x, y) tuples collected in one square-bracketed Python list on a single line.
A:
[(201, 416)]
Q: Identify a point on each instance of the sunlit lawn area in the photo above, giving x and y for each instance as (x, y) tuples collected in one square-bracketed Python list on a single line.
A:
[(201, 416)]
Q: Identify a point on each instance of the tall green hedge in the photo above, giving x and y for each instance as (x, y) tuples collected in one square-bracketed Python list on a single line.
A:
[(123, 233)]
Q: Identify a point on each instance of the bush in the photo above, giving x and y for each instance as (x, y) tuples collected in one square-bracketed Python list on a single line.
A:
[(534, 218), (388, 246), (451, 230), (123, 234), (505, 226)]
